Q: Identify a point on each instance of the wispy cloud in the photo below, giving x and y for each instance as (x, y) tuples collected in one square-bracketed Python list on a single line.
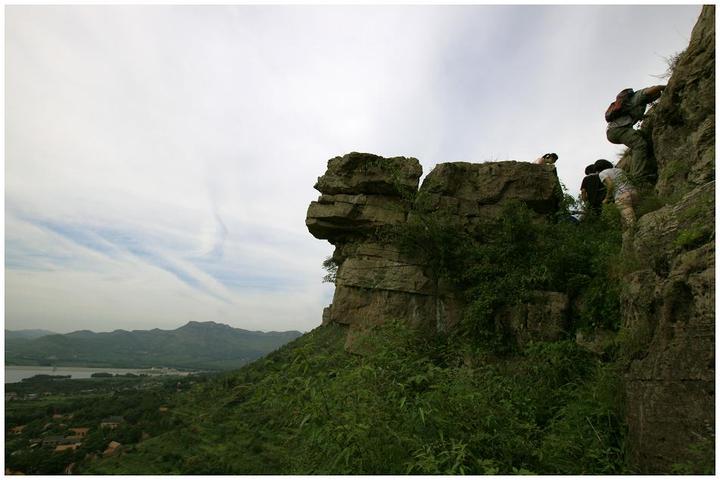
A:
[(160, 160)]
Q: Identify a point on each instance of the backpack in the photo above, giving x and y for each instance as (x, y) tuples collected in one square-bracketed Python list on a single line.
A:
[(620, 106)]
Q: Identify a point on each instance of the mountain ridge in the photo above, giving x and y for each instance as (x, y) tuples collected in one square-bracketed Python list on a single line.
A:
[(195, 345)]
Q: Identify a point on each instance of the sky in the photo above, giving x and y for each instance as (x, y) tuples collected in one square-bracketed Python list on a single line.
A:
[(159, 160)]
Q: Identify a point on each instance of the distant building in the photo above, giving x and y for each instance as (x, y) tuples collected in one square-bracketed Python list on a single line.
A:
[(112, 422), (53, 441), (17, 430), (113, 448), (67, 446), (80, 431)]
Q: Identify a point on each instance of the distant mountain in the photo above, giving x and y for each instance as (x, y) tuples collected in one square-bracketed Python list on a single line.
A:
[(196, 345), (27, 334)]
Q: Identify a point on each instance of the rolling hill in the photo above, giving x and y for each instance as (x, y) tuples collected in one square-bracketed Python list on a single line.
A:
[(204, 345)]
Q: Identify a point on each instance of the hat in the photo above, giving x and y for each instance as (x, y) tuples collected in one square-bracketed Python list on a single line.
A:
[(602, 164)]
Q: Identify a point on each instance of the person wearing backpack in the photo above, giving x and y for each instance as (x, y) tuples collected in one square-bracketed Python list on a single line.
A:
[(628, 109)]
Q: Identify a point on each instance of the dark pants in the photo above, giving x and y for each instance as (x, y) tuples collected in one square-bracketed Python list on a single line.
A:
[(643, 168)]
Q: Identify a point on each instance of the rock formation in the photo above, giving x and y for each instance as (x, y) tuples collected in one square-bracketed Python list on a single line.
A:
[(669, 304), (376, 282)]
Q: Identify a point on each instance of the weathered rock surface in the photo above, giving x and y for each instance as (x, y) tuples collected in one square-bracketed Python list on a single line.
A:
[(468, 187), (362, 192), (542, 318), (375, 282), (367, 173), (683, 121), (669, 312), (669, 300), (335, 216)]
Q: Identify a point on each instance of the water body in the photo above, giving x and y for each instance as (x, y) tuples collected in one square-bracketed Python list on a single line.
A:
[(15, 374)]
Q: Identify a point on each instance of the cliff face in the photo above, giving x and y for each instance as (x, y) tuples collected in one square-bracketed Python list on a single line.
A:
[(362, 194), (682, 124), (668, 279), (669, 302)]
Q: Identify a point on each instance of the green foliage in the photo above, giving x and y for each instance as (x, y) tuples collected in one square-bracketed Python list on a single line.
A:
[(700, 459), (331, 267), (691, 238), (676, 168), (505, 260), (414, 406), (136, 399), (587, 436), (449, 404)]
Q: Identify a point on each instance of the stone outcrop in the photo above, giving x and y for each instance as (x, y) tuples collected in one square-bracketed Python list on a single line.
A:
[(682, 124), (669, 314), (543, 318), (669, 302), (362, 194)]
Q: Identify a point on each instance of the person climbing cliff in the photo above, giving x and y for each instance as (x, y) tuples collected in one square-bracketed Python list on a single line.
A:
[(619, 189), (592, 192), (628, 109)]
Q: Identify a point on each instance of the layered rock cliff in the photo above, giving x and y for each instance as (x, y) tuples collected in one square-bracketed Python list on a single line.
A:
[(363, 194), (669, 302), (668, 281)]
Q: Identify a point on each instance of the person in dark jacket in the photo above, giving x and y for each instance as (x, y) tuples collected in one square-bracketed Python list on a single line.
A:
[(592, 191)]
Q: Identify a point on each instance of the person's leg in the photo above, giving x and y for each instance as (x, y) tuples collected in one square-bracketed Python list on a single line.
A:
[(625, 202), (642, 168)]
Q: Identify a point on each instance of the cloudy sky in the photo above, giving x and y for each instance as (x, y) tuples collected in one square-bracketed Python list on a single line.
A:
[(160, 159)]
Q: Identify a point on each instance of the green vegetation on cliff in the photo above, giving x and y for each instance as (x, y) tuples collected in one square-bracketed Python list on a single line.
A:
[(412, 407), (452, 403)]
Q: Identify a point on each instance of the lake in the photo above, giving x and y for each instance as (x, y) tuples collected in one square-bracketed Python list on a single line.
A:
[(15, 374)]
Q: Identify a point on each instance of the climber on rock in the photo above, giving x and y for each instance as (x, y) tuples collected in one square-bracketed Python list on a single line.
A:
[(592, 192), (628, 109), (619, 189)]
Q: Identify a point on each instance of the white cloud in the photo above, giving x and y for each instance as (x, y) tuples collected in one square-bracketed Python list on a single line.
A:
[(160, 159)]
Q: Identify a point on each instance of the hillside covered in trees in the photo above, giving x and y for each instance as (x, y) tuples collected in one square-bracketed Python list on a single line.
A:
[(196, 345)]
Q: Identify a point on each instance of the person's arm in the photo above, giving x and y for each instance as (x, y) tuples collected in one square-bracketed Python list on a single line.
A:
[(653, 93), (583, 195)]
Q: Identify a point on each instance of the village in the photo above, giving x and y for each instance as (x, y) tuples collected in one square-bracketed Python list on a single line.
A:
[(65, 423), (72, 440)]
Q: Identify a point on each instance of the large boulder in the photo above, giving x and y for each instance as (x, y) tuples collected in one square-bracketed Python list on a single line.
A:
[(333, 217), (364, 194), (469, 188), (367, 173), (361, 193)]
